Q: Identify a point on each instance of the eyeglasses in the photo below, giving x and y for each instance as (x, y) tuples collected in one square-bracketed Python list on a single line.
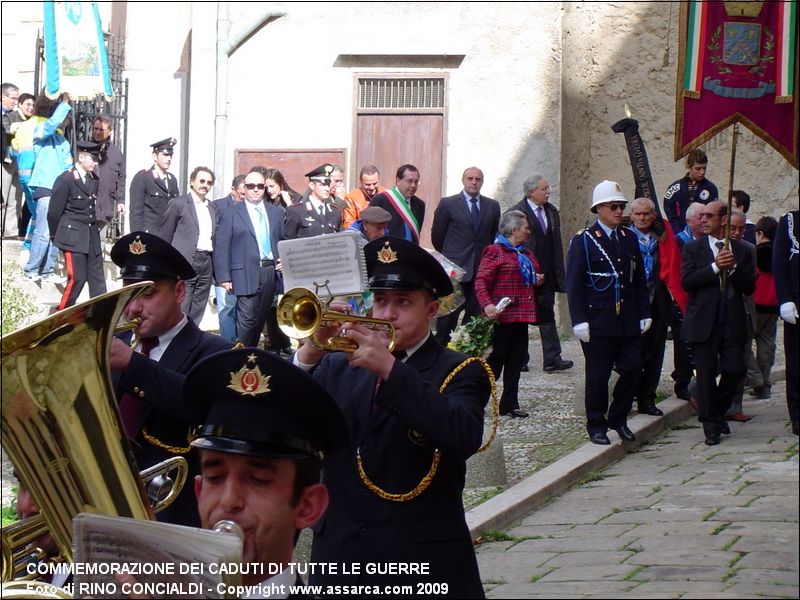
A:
[(616, 205), (208, 181), (254, 186), (709, 215)]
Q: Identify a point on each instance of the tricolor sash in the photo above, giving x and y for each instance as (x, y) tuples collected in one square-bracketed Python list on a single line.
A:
[(403, 208)]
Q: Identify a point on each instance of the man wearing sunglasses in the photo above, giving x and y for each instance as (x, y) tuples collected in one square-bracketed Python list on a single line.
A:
[(714, 323), (608, 304), (189, 224), (245, 256)]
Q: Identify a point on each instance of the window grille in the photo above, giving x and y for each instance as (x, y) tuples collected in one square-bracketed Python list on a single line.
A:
[(400, 93)]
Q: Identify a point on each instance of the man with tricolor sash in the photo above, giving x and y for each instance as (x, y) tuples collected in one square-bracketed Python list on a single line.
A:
[(406, 209)]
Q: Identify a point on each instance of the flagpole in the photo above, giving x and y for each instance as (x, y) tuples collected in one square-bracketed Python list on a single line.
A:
[(730, 203)]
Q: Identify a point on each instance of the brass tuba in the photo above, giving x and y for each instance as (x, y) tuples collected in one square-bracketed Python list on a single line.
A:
[(60, 424), (301, 313)]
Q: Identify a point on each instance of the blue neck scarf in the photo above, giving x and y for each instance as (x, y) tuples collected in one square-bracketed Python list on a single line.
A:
[(525, 265), (648, 250)]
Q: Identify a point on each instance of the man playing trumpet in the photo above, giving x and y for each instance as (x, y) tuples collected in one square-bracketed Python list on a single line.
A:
[(414, 422)]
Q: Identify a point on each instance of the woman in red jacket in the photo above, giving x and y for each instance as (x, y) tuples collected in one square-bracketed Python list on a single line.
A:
[(508, 269)]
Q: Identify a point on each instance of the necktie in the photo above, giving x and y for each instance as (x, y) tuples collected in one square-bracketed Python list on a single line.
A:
[(399, 354), (263, 232), (719, 244), (615, 239), (130, 407), (476, 214), (321, 210), (540, 217)]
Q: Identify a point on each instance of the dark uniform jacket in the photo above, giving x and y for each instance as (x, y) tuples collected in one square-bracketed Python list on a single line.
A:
[(71, 215), (397, 226), (148, 199), (302, 220), (703, 286), (452, 233), (787, 272), (677, 199), (596, 304), (397, 443), (164, 416)]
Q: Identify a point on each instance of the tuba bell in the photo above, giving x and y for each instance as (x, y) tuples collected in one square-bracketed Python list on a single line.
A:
[(61, 427)]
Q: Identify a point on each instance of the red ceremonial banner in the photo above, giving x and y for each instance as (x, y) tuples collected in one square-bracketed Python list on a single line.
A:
[(738, 63)]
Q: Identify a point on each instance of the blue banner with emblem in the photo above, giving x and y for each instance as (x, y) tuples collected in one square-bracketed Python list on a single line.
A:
[(75, 51)]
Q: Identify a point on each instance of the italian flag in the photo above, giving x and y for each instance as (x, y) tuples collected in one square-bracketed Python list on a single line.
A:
[(695, 48), (785, 56)]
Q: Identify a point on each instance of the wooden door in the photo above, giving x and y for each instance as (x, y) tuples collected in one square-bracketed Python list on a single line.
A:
[(388, 141)]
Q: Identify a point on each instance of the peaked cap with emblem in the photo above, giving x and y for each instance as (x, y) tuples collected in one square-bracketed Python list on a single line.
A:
[(321, 173), (90, 147), (397, 264), (164, 146), (256, 404), (143, 256)]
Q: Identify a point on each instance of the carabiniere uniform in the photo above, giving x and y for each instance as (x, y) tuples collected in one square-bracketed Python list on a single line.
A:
[(149, 196)]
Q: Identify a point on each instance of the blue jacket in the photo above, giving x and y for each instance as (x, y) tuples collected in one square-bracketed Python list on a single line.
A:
[(53, 154)]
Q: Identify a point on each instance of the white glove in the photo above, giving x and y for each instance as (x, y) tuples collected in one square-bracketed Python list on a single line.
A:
[(644, 324), (581, 331), (789, 312)]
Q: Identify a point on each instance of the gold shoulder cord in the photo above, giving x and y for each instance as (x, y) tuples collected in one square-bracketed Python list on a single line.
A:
[(159, 444), (428, 478)]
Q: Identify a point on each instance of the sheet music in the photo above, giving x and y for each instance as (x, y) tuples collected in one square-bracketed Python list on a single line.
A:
[(335, 259)]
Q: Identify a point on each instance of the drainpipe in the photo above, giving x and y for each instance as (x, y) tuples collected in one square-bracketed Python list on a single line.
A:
[(227, 44)]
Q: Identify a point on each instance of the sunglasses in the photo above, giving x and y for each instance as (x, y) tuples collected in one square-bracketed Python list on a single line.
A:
[(616, 205), (254, 186), (208, 181), (709, 215)]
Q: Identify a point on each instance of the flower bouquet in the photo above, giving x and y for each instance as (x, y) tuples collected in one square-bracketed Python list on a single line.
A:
[(474, 337)]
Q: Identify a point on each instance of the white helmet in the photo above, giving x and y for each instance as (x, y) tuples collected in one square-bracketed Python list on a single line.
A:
[(606, 191)]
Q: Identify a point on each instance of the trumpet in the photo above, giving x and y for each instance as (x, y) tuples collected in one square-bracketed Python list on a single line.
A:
[(301, 313), (163, 482)]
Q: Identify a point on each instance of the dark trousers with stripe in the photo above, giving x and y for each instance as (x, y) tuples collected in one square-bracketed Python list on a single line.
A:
[(791, 336), (80, 269)]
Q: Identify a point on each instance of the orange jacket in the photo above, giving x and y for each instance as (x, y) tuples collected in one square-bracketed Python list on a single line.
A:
[(356, 202)]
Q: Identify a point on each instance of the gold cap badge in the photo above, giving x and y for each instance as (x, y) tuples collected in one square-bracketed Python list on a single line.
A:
[(137, 246), (386, 254), (328, 170), (249, 382)]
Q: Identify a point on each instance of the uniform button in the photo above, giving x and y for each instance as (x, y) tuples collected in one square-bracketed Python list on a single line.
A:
[(362, 527), (141, 394), (136, 390)]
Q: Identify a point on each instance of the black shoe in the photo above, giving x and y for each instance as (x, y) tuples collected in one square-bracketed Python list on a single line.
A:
[(762, 392), (560, 365), (650, 409), (725, 428), (600, 438), (681, 391), (625, 434), (712, 439), (525, 368), (515, 414)]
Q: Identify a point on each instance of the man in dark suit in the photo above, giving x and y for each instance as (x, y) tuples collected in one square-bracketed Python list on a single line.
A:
[(150, 378), (384, 508), (716, 325), (189, 224), (111, 173), (406, 209), (608, 305), (72, 217), (245, 257), (225, 301), (152, 188), (266, 426), (786, 270), (544, 221), (317, 214), (463, 225)]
